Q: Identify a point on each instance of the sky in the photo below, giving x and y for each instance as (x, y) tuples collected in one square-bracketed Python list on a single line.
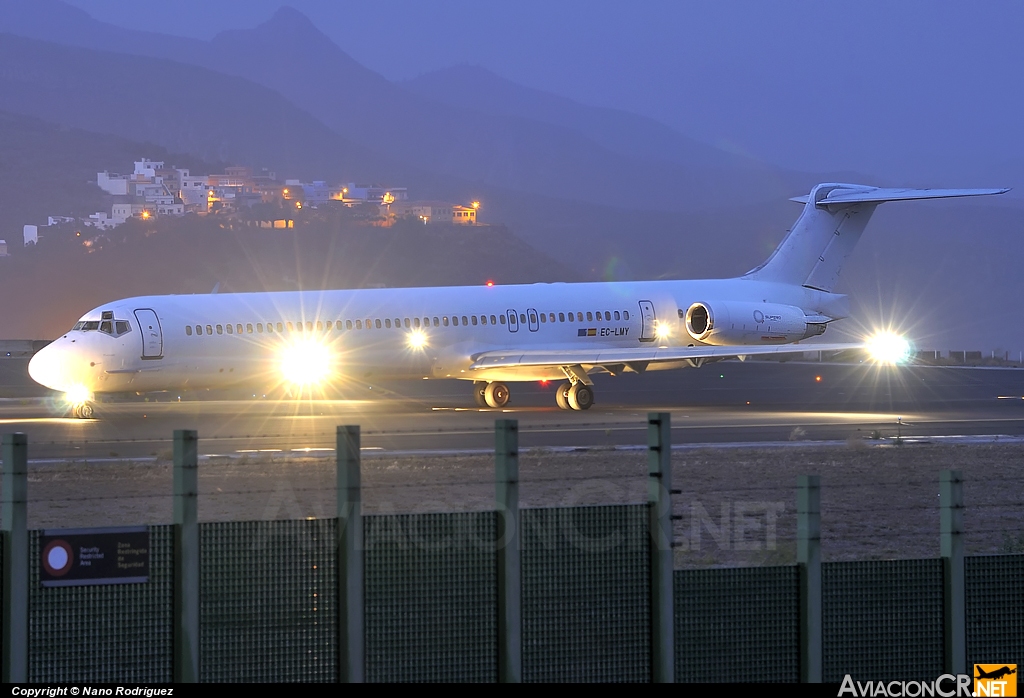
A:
[(911, 92)]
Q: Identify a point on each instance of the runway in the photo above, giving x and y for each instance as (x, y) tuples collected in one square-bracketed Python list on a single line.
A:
[(733, 402)]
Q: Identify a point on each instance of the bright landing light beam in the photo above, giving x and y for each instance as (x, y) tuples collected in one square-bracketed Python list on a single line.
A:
[(306, 362), (888, 348)]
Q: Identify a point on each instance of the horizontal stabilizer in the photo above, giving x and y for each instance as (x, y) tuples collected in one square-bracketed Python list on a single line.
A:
[(877, 195), (610, 357)]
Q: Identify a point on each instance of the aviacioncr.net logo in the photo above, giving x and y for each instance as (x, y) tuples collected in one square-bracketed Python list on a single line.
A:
[(946, 686)]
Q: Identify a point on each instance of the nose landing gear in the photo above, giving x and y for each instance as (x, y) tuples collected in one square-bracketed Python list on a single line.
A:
[(83, 410)]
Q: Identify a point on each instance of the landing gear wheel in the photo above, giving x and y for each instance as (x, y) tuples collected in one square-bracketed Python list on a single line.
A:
[(479, 388), (581, 397), (562, 395), (496, 394), (83, 411)]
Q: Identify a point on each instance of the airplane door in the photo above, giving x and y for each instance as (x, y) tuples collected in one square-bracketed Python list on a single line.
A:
[(531, 314), (513, 321), (647, 320), (152, 337)]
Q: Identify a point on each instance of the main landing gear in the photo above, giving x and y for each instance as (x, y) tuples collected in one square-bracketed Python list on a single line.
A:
[(574, 397), (569, 396), (490, 394)]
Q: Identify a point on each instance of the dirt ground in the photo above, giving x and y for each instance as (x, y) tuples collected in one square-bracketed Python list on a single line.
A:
[(737, 505)]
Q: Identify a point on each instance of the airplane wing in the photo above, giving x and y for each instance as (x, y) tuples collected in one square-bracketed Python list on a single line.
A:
[(637, 358)]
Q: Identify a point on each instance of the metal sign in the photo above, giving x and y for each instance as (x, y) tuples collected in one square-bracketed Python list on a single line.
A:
[(88, 556)]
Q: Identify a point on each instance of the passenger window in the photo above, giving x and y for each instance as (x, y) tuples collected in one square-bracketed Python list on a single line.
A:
[(474, 319), (309, 326), (280, 327), (238, 328), (270, 328), (248, 327), (465, 320), (348, 324), (231, 330), (328, 325), (408, 323), (291, 327), (376, 323), (387, 323), (589, 317), (359, 324), (493, 320), (607, 316), (551, 316), (625, 314), (209, 329), (561, 317), (483, 319), (369, 324), (522, 318), (416, 322), (579, 317), (319, 326), (445, 319), (533, 318), (436, 323), (199, 329), (617, 317), (501, 318), (220, 329), (188, 330), (259, 327)]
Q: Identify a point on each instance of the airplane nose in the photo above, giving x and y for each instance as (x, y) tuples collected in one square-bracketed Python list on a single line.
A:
[(49, 368)]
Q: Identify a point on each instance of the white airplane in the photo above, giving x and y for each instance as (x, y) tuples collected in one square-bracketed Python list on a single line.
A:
[(490, 335)]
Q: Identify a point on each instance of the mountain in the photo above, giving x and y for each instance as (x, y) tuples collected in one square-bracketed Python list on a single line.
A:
[(616, 130), (440, 133)]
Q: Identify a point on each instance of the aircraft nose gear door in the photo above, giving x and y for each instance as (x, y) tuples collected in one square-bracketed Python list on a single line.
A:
[(534, 323), (647, 320), (513, 321), (152, 337)]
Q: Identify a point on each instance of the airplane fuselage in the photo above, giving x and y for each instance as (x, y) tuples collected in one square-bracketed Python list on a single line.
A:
[(223, 340)]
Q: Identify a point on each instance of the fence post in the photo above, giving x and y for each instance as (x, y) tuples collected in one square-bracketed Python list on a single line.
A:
[(951, 546), (510, 618), (808, 555), (351, 646), (186, 557), (15, 576), (659, 507)]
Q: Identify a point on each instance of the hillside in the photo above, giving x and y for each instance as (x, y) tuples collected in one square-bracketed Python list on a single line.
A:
[(441, 131), (47, 288), (46, 169)]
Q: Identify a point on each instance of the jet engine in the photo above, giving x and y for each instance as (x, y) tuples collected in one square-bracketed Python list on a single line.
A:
[(727, 323)]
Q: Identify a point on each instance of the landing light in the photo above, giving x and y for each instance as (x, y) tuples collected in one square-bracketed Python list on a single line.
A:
[(888, 348), (78, 395), (417, 339), (306, 362), (662, 331)]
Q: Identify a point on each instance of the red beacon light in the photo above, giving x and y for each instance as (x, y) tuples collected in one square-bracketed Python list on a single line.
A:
[(490, 283)]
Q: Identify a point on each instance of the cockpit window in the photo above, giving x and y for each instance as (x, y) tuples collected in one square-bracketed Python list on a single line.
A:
[(122, 327), (89, 325), (107, 326)]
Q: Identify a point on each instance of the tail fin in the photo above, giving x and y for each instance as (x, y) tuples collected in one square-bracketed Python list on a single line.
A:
[(834, 216)]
